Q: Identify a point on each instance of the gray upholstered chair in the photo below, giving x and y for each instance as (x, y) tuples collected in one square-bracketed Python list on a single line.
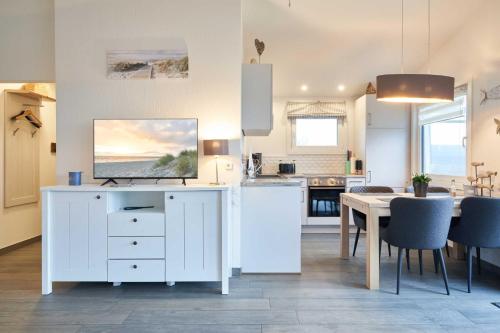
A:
[(419, 223), (360, 218), (478, 226), (430, 189)]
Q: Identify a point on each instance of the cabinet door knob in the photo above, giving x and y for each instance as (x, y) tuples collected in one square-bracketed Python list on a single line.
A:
[(134, 243), (134, 220), (98, 197), (134, 266), (171, 197)]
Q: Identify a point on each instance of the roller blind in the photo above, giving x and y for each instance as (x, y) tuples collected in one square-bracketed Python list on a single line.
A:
[(443, 111)]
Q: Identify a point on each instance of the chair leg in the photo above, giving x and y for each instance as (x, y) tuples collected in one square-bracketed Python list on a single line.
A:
[(408, 259), (400, 264), (379, 248), (434, 254), (447, 249), (420, 262), (478, 260), (469, 268), (443, 269), (389, 249), (356, 242)]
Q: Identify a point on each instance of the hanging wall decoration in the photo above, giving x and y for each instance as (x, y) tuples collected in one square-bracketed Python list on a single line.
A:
[(497, 122), (260, 46), (171, 63), (370, 89), (493, 93)]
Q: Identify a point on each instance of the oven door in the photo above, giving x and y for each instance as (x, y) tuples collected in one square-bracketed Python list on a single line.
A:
[(324, 201)]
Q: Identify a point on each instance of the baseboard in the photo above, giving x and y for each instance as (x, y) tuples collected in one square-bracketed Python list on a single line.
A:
[(13, 247), (325, 229)]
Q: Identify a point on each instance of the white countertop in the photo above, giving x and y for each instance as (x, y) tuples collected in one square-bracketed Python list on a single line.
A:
[(134, 188), (271, 182)]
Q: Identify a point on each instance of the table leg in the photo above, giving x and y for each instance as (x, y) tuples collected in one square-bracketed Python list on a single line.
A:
[(372, 250), (344, 232)]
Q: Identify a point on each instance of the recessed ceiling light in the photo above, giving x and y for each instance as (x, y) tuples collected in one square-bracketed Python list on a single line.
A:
[(304, 87), (341, 87)]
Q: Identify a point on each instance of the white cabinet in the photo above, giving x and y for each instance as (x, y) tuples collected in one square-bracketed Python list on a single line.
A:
[(193, 236), (79, 236), (382, 141), (257, 99), (270, 229), (303, 201)]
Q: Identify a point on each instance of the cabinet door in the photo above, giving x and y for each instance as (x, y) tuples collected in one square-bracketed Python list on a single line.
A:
[(387, 157), (386, 115), (79, 236), (193, 236), (257, 99)]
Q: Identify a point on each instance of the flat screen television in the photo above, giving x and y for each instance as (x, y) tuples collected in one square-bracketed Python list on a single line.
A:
[(145, 148)]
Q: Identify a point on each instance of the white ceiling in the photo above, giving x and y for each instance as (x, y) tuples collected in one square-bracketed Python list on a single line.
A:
[(324, 43)]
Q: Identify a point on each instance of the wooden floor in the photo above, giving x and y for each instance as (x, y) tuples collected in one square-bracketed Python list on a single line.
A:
[(329, 296)]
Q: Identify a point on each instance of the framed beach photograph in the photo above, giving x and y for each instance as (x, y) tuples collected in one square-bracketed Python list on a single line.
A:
[(147, 64)]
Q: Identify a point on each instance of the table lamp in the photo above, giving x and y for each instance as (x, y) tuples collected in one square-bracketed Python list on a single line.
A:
[(216, 148)]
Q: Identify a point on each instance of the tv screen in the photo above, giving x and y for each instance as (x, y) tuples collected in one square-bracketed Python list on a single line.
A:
[(148, 148)]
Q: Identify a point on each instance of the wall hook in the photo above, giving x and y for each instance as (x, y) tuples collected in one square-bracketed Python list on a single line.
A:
[(15, 131)]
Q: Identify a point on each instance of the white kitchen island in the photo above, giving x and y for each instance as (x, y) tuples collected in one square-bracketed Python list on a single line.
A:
[(88, 236)]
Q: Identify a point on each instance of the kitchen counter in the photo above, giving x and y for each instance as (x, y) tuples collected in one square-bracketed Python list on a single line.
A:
[(278, 181)]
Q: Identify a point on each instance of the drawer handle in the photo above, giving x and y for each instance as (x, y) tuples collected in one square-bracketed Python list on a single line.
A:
[(98, 197), (134, 243), (171, 197), (134, 220), (134, 266)]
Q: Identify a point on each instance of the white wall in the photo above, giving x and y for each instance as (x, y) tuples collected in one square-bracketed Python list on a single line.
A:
[(86, 29), (27, 41), (474, 54), (23, 222)]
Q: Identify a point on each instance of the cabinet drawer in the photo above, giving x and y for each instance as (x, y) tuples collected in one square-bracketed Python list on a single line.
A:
[(136, 247), (136, 224), (136, 270), (355, 182)]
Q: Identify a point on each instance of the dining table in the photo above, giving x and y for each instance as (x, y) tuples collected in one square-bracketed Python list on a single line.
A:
[(375, 205)]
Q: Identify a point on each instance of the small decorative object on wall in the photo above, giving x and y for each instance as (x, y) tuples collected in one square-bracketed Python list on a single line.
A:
[(253, 61), (477, 182), (493, 93), (53, 147), (497, 122), (260, 46), (421, 184), (370, 89), (152, 64)]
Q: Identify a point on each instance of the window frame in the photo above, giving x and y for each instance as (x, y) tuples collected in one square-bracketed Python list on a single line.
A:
[(417, 141), (340, 148)]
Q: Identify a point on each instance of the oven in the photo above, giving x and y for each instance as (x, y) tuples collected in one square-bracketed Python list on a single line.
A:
[(324, 200)]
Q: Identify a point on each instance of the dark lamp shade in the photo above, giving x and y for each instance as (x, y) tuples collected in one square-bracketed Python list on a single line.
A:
[(215, 147), (415, 88)]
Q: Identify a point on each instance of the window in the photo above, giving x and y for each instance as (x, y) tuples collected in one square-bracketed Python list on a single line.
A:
[(313, 132), (443, 130)]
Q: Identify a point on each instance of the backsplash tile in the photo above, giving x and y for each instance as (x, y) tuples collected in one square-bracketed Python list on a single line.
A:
[(319, 164)]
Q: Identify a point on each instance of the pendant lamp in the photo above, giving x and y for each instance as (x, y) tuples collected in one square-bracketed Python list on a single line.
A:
[(415, 88)]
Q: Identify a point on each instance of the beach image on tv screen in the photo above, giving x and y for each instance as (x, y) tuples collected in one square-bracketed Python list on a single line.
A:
[(165, 148)]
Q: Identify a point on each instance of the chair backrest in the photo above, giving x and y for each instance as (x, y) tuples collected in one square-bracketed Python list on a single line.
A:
[(479, 223), (371, 189), (419, 223), (430, 189)]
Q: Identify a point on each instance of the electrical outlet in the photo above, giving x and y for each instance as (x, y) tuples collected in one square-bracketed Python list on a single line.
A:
[(229, 166)]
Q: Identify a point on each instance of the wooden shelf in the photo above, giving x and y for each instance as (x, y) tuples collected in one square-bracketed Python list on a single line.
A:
[(30, 94)]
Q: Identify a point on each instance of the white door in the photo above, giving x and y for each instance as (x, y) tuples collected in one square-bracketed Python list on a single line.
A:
[(193, 236), (387, 158), (79, 236)]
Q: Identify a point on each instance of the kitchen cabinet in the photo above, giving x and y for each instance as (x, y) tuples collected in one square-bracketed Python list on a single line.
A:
[(303, 200), (79, 236), (271, 229), (257, 99), (382, 141), (193, 236)]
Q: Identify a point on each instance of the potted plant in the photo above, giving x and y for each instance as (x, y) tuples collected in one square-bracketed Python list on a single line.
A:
[(420, 184)]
